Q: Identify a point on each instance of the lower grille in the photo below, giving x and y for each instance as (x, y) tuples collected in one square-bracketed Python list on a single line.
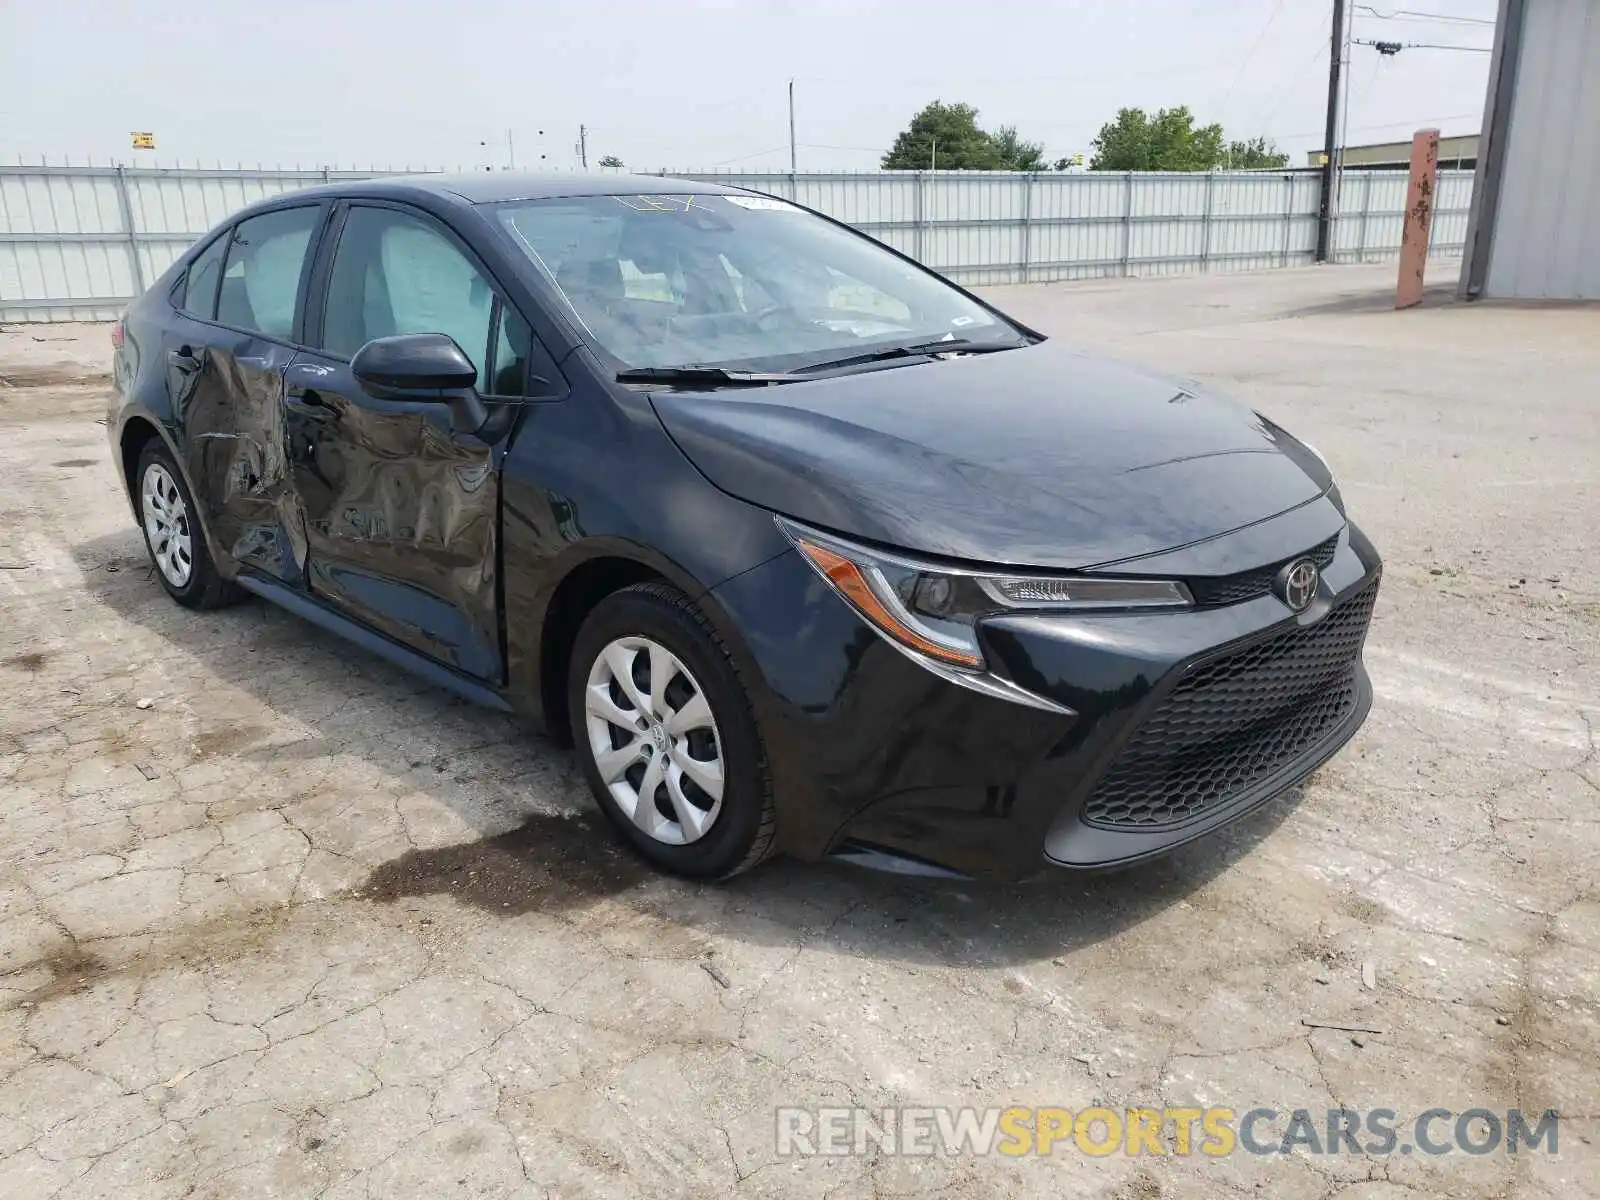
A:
[(1235, 720)]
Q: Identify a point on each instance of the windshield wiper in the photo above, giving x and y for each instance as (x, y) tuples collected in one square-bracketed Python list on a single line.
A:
[(705, 376), (698, 376), (916, 350)]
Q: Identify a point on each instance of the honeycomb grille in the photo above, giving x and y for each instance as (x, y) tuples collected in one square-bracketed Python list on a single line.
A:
[(1218, 590), (1234, 721)]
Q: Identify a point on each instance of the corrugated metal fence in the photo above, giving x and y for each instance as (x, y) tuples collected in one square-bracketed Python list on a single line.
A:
[(76, 243), (994, 227)]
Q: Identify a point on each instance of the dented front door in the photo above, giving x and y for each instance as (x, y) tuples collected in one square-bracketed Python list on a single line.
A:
[(400, 517)]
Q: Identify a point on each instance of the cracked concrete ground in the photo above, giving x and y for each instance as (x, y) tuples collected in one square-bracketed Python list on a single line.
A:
[(302, 926)]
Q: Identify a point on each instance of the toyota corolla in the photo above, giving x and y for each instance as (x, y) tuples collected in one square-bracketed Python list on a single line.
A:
[(803, 547)]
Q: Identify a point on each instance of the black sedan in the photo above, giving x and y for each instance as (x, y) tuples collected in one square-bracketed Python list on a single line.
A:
[(804, 548)]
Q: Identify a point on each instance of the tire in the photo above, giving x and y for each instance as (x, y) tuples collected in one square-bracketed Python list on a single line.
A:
[(640, 628), (174, 537)]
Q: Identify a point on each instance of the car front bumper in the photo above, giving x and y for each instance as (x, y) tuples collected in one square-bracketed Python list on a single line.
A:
[(1179, 723)]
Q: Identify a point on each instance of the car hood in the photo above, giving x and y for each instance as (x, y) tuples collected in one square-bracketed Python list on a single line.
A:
[(1043, 456)]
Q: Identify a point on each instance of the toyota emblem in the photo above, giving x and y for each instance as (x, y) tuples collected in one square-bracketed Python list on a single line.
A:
[(1297, 583)]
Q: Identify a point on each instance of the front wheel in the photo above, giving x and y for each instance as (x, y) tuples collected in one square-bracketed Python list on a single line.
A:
[(667, 736)]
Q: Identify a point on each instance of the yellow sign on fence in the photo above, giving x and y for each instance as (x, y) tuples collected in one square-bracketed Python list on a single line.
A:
[(144, 141)]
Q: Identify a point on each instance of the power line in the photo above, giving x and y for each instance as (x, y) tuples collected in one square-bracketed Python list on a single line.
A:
[(1298, 77), (828, 146), (1254, 46), (1414, 124), (1367, 86), (1390, 49), (746, 157), (1408, 14)]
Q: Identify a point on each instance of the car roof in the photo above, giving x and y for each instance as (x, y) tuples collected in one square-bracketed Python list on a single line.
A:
[(489, 187), (486, 187)]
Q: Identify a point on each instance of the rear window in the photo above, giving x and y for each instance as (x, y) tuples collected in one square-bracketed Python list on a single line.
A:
[(200, 285), (261, 281)]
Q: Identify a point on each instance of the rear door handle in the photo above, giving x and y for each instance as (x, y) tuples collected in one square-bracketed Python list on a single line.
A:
[(184, 360)]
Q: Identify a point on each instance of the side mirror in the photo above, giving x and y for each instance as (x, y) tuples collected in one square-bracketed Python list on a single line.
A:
[(415, 372)]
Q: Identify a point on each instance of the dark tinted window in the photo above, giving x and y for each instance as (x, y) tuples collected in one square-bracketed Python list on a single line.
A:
[(394, 273), (200, 285), (262, 278)]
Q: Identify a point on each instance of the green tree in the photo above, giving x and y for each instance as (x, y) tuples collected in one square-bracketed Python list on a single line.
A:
[(944, 136), (611, 160), (1168, 141), (1016, 154), (1256, 154)]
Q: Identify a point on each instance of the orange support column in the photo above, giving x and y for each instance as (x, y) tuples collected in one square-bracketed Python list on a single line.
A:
[(1419, 217)]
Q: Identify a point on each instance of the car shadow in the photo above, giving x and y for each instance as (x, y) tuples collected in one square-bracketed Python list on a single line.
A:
[(544, 847)]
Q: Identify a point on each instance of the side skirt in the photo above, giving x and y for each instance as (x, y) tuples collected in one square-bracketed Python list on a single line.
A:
[(352, 631)]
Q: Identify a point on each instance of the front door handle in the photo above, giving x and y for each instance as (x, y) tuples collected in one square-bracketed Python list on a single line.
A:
[(184, 360), (307, 402)]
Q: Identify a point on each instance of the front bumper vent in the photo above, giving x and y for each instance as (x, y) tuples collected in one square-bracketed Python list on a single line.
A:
[(1235, 720)]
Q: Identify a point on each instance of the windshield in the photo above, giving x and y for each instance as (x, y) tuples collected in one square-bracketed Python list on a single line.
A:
[(734, 281)]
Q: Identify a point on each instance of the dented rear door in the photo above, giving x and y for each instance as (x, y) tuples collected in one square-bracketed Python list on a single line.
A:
[(226, 358), (234, 442)]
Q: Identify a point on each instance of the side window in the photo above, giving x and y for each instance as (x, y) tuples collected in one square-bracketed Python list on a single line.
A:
[(262, 278), (200, 285), (394, 273), (511, 343)]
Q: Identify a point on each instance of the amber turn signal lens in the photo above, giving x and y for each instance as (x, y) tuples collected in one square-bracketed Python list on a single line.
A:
[(847, 578)]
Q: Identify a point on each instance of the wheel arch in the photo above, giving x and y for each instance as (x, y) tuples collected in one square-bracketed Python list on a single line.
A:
[(574, 598), (139, 428), (593, 574), (137, 432)]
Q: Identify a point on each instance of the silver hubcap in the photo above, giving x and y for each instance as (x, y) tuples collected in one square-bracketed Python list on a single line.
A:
[(166, 524), (654, 740)]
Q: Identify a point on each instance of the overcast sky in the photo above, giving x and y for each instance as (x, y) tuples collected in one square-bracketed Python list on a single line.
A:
[(690, 83)]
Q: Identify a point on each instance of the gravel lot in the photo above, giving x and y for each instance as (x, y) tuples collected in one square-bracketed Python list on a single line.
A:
[(275, 919)]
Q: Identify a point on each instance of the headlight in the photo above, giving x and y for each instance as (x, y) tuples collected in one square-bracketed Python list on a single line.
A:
[(932, 610)]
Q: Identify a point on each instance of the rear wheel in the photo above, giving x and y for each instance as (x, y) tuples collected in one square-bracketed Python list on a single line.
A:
[(667, 736), (173, 534)]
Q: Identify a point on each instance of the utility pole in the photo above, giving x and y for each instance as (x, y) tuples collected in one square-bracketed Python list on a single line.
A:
[(1331, 134), (583, 146), (1344, 119), (511, 153), (933, 153), (791, 128)]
